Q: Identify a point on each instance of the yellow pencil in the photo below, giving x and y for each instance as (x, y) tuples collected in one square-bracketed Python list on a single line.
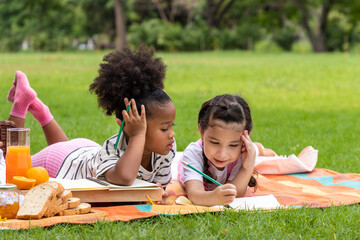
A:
[(147, 196)]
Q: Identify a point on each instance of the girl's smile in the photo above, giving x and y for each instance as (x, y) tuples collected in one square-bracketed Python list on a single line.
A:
[(222, 143)]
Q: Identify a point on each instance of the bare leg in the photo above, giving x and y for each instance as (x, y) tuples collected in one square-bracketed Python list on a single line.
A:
[(20, 122), (267, 152), (52, 131)]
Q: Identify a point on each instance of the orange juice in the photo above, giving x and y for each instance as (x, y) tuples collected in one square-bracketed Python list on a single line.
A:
[(18, 161)]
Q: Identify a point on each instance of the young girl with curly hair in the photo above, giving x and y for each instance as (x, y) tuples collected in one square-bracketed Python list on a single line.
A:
[(147, 145), (225, 152)]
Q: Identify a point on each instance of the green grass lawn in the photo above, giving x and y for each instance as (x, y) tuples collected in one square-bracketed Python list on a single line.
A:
[(296, 100)]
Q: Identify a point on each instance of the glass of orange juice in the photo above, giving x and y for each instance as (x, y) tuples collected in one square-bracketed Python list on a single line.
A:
[(18, 159)]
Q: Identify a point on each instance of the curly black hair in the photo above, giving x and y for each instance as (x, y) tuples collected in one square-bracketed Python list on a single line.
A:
[(130, 74)]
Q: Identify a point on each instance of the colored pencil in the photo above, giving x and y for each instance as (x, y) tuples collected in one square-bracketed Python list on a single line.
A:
[(121, 128), (205, 176), (147, 196)]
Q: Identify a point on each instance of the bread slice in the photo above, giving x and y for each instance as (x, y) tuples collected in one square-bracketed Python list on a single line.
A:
[(53, 206), (36, 202), (81, 209), (73, 202), (65, 196), (58, 186), (51, 210)]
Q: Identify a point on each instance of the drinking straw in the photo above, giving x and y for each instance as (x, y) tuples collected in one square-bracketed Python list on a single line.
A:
[(121, 128)]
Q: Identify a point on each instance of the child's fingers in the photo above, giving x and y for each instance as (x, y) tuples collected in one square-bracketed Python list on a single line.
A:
[(126, 116), (131, 109), (246, 138), (228, 199), (228, 190), (134, 108), (118, 121), (143, 114)]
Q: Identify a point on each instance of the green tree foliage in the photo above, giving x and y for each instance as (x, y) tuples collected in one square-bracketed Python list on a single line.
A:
[(180, 25)]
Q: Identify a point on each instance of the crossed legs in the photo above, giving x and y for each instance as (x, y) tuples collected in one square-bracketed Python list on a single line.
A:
[(24, 100)]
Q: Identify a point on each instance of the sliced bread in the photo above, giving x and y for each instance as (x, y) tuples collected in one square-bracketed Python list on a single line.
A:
[(65, 196), (53, 206), (36, 202), (80, 209), (73, 202), (58, 186)]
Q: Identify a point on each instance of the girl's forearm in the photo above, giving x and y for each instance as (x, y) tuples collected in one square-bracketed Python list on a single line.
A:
[(203, 198), (126, 168), (241, 181)]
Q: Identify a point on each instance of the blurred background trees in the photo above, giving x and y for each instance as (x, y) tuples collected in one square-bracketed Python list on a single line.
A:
[(180, 25)]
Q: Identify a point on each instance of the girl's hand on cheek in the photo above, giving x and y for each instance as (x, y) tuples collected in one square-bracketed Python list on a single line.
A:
[(135, 124), (248, 153), (225, 193)]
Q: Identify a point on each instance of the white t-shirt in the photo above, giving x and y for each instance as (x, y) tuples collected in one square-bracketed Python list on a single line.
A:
[(95, 161), (193, 155)]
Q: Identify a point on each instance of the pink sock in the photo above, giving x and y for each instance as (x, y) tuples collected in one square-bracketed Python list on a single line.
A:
[(40, 112), (22, 95)]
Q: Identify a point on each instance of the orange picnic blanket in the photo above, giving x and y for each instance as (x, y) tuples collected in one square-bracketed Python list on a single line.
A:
[(319, 188), (294, 182)]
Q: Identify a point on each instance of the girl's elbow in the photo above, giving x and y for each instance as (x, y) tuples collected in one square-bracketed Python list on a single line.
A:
[(123, 179)]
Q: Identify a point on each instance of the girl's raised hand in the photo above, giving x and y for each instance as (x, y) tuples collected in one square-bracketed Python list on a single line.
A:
[(226, 193), (248, 152), (135, 124)]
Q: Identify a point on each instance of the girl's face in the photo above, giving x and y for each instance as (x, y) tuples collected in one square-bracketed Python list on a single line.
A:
[(160, 133), (222, 142)]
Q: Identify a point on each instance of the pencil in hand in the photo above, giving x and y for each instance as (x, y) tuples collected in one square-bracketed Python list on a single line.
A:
[(205, 176), (121, 128)]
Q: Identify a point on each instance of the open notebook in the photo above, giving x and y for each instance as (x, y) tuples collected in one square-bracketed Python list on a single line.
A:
[(266, 202)]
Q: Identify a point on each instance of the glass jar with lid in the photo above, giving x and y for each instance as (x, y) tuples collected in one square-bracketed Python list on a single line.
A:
[(9, 201)]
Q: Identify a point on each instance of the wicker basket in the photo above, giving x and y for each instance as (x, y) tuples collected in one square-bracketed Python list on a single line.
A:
[(3, 126)]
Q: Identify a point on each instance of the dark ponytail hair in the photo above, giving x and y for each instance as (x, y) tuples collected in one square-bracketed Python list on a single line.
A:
[(229, 109)]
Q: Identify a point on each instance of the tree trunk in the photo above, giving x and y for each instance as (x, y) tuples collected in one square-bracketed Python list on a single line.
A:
[(225, 9), (317, 38), (210, 13), (161, 10), (215, 13), (120, 25), (323, 25)]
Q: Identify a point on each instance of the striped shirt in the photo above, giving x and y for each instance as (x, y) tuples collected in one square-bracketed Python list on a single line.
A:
[(95, 161)]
